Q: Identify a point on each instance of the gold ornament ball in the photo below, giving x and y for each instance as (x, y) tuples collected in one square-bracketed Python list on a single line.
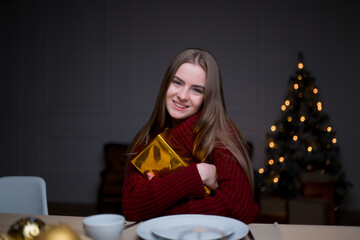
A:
[(26, 228), (58, 231), (4, 236)]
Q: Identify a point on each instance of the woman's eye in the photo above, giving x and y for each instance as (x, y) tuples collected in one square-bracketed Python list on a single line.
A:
[(198, 91), (176, 82)]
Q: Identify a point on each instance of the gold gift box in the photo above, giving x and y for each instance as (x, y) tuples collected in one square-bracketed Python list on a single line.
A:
[(159, 159)]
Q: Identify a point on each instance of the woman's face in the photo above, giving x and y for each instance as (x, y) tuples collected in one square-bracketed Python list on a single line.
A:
[(185, 94)]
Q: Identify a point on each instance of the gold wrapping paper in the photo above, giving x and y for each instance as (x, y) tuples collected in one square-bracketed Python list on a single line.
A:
[(159, 159)]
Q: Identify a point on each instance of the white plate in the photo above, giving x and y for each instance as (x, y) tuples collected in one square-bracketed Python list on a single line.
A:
[(145, 229)]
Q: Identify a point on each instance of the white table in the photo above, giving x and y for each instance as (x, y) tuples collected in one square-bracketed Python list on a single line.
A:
[(260, 231)]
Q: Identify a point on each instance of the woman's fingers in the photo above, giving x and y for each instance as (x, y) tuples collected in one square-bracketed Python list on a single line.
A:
[(149, 175)]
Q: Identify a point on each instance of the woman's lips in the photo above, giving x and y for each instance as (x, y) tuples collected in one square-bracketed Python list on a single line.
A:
[(179, 105)]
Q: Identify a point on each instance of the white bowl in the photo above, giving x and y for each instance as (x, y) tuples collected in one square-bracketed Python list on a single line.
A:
[(104, 226)]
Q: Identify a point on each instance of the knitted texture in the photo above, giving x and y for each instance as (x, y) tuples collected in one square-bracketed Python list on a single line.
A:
[(183, 192)]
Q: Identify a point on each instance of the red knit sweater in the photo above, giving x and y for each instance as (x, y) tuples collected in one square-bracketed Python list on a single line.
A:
[(182, 192)]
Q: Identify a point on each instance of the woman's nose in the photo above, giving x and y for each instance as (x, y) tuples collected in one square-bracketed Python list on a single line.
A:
[(183, 94)]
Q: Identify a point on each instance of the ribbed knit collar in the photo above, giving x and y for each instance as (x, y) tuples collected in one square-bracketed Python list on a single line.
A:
[(181, 137)]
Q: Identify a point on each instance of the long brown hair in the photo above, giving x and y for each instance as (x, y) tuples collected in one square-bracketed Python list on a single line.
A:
[(214, 127)]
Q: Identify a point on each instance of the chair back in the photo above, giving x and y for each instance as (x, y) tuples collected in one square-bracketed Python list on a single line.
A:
[(23, 195)]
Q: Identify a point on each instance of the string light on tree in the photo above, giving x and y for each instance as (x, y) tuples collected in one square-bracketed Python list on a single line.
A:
[(319, 106), (300, 65), (276, 179)]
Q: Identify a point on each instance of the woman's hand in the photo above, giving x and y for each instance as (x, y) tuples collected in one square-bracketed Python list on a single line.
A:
[(149, 175), (208, 174)]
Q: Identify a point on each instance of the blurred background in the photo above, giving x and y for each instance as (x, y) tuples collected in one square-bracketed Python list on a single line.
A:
[(77, 75)]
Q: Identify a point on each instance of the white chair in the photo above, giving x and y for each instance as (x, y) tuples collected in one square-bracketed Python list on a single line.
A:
[(23, 195)]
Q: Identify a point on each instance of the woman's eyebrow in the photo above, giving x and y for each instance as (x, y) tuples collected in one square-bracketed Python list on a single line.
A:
[(179, 79)]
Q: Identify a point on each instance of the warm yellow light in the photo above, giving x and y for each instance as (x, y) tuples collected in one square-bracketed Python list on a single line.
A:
[(315, 91), (283, 107), (302, 118), (300, 65), (271, 162), (328, 129), (276, 179), (319, 106), (287, 102), (327, 162), (281, 159), (322, 171), (299, 77), (271, 144), (308, 167), (273, 128), (289, 119), (296, 86), (295, 138), (334, 140), (261, 170), (309, 149)]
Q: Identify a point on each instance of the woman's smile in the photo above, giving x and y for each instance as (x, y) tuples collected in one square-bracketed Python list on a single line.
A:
[(179, 105)]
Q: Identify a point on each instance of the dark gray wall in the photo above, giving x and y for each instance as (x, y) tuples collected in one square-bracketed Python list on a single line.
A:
[(78, 74)]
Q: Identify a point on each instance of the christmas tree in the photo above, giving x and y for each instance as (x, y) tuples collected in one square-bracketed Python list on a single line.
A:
[(301, 141)]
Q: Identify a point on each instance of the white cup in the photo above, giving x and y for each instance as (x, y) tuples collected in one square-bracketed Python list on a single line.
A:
[(104, 226)]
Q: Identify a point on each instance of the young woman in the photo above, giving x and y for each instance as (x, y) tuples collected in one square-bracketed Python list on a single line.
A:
[(191, 105)]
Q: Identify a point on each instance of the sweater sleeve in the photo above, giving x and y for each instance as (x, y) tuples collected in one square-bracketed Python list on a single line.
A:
[(143, 199)]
